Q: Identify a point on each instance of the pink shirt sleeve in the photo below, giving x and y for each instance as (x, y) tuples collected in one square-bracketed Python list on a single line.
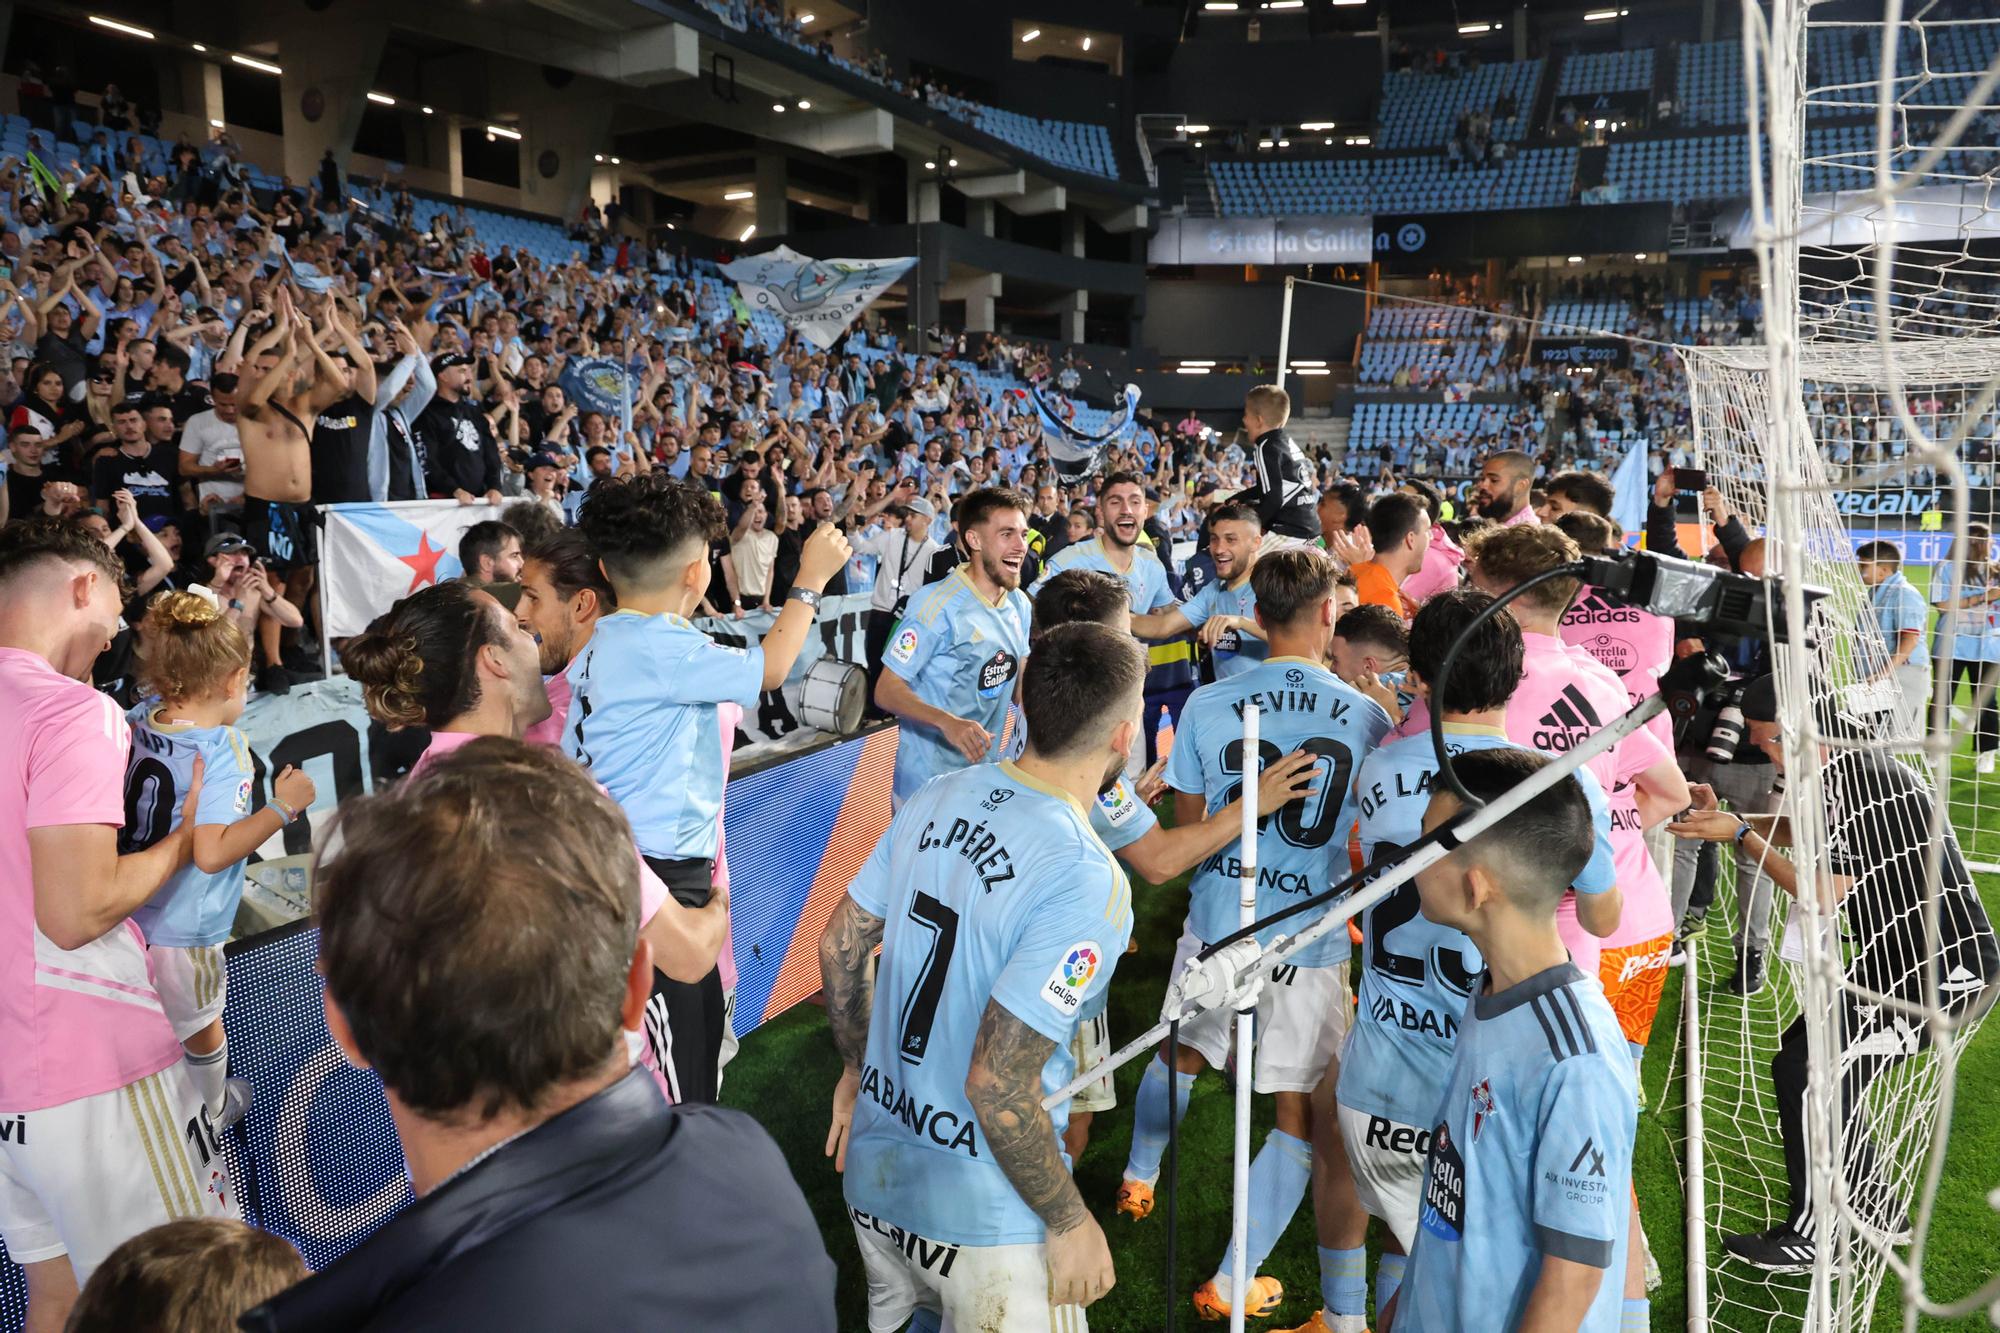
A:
[(76, 771)]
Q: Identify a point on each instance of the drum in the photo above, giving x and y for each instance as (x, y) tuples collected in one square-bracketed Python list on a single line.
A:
[(833, 696)]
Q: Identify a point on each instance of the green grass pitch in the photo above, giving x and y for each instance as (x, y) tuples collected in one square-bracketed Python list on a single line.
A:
[(787, 1069)]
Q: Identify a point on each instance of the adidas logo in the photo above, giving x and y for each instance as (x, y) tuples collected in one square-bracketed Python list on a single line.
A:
[(1570, 720)]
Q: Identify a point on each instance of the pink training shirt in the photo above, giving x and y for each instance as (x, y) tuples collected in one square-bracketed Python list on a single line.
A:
[(1635, 646), (73, 1023), (549, 730), (1442, 560)]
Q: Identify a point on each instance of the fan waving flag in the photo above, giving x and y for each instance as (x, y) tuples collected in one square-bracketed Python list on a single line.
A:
[(596, 384), (1078, 453), (375, 554), (817, 298)]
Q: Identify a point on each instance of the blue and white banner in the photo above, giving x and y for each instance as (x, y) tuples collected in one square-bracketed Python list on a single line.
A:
[(597, 384), (374, 554), (1077, 454), (817, 298)]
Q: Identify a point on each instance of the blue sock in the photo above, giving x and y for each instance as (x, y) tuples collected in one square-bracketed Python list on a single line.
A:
[(1279, 1174), (1343, 1280), (1638, 1316), (1388, 1278), (1149, 1119), (925, 1321)]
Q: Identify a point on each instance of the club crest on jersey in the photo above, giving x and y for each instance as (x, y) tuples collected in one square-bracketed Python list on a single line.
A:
[(1066, 984), (905, 646), (1484, 1107), (1295, 677)]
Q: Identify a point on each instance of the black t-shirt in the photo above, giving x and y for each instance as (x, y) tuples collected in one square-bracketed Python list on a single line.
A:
[(66, 355), (24, 493), (460, 453), (153, 478), (340, 452), (186, 402)]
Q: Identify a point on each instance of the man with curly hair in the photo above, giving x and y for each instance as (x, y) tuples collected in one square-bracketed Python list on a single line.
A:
[(647, 694)]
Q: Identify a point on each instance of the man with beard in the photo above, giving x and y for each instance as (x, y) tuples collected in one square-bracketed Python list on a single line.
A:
[(1502, 491), (949, 672), (1121, 506), (1225, 610), (563, 596)]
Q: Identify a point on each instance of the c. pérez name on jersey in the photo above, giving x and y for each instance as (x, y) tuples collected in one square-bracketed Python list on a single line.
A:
[(993, 863), (940, 1126)]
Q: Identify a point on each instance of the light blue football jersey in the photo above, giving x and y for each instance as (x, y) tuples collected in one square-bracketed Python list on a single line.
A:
[(194, 907), (1302, 849), (642, 719), (1416, 974), (959, 652), (1530, 1155), (1146, 581), (1235, 652), (992, 888)]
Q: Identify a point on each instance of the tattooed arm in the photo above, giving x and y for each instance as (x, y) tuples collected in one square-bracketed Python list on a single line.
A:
[(1004, 1086), (847, 985)]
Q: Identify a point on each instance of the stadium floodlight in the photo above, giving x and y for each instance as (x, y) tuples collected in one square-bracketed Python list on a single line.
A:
[(951, 161), (1474, 29), (1641, 255), (1358, 141), (1307, 365), (806, 19), (748, 232), (1338, 3), (1600, 15), (1284, 143), (1317, 125), (251, 62), (1309, 370), (599, 157), (617, 162), (1186, 362), (804, 104), (199, 47), (504, 131), (1030, 35), (381, 99), (1194, 129), (215, 122), (1220, 6), (778, 107), (1285, 4), (930, 166), (736, 196), (1192, 370), (1086, 41), (427, 111), (1576, 259), (128, 29)]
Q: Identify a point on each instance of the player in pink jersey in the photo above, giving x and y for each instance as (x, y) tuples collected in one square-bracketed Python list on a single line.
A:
[(1565, 695), (104, 1133), (1635, 646)]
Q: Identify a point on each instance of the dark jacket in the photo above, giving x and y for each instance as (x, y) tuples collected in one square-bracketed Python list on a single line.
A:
[(458, 448), (1283, 493), (620, 1213)]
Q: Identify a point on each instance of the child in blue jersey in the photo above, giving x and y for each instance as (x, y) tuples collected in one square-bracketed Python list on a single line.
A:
[(1527, 1183), (950, 666), (1224, 611), (1417, 974), (196, 660), (646, 694), (1000, 917), (1304, 1013)]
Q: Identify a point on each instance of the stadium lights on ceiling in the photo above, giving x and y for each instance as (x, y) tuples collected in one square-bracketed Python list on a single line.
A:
[(1472, 29), (1640, 255), (1284, 143), (1030, 35), (930, 166), (951, 161), (1576, 259), (1317, 125), (778, 107), (1328, 141), (803, 104), (1191, 370), (1264, 143), (1600, 15), (1339, 3), (216, 123), (251, 62), (748, 232), (600, 157), (199, 47), (1307, 364), (503, 131), (382, 99), (1297, 369), (128, 29), (617, 162), (1358, 141), (1284, 4), (805, 19), (1220, 6), (1194, 129), (1086, 42), (427, 111), (735, 196)]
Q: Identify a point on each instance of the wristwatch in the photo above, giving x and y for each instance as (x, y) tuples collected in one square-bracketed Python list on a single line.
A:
[(806, 595)]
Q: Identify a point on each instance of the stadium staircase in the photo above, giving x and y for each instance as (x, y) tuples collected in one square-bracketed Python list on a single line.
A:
[(1543, 111), (1666, 77)]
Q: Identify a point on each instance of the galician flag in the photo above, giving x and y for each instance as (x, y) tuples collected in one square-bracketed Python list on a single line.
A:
[(374, 555), (818, 298)]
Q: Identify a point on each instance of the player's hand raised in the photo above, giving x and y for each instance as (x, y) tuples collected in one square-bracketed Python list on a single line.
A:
[(1288, 780), (844, 1093), (294, 787), (824, 555), (1080, 1268), (966, 736)]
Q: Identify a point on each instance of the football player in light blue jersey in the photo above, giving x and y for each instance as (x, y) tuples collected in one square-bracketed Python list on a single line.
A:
[(185, 745), (1416, 974), (1304, 1013), (1124, 822), (950, 667), (1528, 1179), (1224, 611), (1121, 509), (645, 691), (1000, 916)]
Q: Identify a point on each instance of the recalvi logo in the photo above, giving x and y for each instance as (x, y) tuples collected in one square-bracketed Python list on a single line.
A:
[(1887, 504)]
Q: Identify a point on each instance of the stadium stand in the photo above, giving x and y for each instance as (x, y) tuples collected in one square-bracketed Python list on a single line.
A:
[(1419, 109), (1708, 83), (1606, 72), (1428, 347), (1426, 183)]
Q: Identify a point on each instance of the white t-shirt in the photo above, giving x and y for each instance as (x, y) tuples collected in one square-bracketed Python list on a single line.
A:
[(211, 440), (754, 553)]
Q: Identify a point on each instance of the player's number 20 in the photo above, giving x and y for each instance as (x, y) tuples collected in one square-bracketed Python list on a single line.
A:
[(1310, 822)]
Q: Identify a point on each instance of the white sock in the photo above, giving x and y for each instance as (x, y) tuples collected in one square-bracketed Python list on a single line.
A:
[(210, 1073)]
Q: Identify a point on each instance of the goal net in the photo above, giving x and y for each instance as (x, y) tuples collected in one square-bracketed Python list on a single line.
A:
[(1872, 165)]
